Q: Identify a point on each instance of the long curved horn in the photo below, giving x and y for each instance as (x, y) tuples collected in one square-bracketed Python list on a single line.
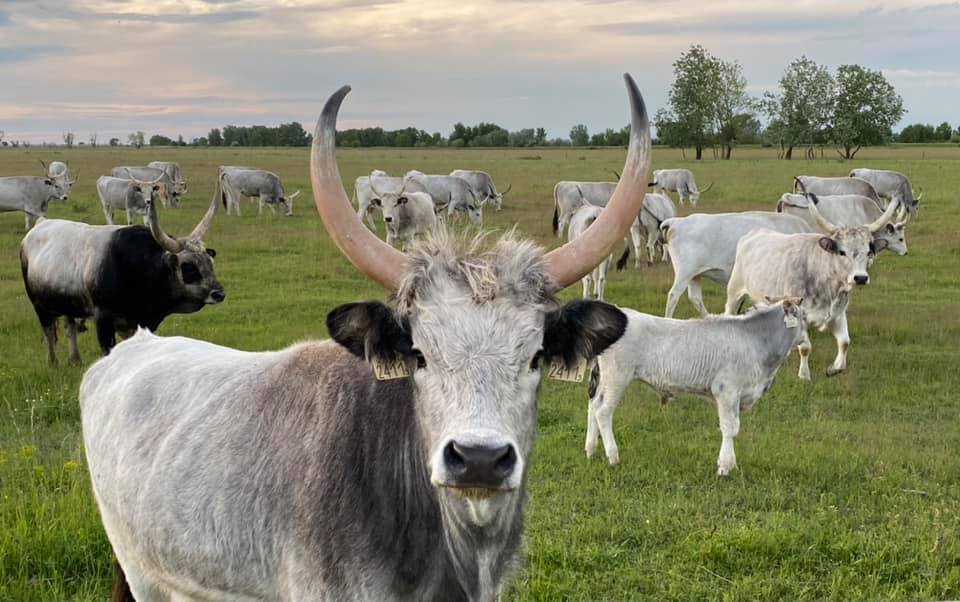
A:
[(799, 185), (294, 195), (886, 217), (571, 261), (817, 216), (201, 230), (375, 191), (369, 254), (616, 174), (504, 193), (163, 239), (917, 198), (45, 168), (707, 188)]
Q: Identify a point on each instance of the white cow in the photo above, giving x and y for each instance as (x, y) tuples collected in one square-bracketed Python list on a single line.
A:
[(822, 269), (834, 185), (406, 215), (126, 194), (583, 219), (891, 185), (363, 196), (704, 245), (451, 192), (568, 196), (732, 360), (60, 171), (30, 194), (848, 210), (680, 181), (482, 184), (656, 209)]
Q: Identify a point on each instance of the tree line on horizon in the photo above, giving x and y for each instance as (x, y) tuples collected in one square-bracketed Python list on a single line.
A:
[(708, 108)]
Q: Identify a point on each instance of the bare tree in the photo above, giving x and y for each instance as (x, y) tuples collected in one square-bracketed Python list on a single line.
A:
[(135, 139), (68, 138), (93, 139)]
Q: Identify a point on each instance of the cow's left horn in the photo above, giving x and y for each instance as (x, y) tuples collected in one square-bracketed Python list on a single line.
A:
[(571, 261), (885, 218), (201, 230), (163, 239), (294, 195), (369, 254), (707, 188), (504, 193)]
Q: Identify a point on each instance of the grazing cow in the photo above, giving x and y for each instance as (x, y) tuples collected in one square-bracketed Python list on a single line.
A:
[(448, 191), (364, 197), (482, 184), (730, 359), (298, 475), (244, 181), (704, 245), (569, 196), (60, 171), (822, 269), (656, 209), (848, 210), (583, 219), (891, 185), (169, 191), (123, 194), (680, 181), (30, 194), (406, 215), (172, 169), (122, 276), (834, 186)]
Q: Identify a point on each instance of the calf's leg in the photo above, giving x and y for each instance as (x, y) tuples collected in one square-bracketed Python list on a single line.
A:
[(728, 409), (839, 328)]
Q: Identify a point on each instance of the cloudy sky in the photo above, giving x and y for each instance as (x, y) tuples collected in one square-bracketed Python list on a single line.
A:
[(184, 66)]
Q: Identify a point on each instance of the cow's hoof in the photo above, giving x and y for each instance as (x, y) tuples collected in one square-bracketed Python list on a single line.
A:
[(834, 371)]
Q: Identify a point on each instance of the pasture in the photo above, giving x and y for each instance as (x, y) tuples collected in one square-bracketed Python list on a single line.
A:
[(846, 488)]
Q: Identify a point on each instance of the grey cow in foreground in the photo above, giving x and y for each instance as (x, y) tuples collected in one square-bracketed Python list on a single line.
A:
[(732, 360), (704, 245), (298, 475), (680, 181), (848, 210), (822, 269), (30, 194), (237, 181)]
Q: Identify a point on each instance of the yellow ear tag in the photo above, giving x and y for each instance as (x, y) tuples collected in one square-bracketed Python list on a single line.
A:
[(389, 369), (558, 370)]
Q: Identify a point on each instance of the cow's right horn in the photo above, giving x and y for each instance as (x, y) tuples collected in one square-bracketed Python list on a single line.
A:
[(570, 262), (707, 188), (369, 254), (163, 239), (812, 206), (885, 218), (201, 230)]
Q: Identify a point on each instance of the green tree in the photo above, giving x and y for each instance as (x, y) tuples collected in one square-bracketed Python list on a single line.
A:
[(579, 136), (158, 140), (867, 106), (803, 106), (944, 131), (214, 137), (693, 96), (733, 107)]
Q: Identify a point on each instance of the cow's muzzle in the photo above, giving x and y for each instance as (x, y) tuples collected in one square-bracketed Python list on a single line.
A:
[(216, 296), (479, 466), (861, 279)]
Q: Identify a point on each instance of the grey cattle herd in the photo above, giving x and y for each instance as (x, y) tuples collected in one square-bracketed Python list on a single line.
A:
[(391, 462)]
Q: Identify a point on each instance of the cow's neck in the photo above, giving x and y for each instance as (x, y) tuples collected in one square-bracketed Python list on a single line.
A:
[(775, 341), (480, 555)]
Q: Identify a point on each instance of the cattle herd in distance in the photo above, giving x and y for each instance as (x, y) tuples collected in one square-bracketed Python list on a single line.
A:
[(456, 426)]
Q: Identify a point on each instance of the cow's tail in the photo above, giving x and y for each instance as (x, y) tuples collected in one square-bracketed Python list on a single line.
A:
[(121, 589), (223, 189), (556, 212), (625, 256), (780, 206), (664, 237)]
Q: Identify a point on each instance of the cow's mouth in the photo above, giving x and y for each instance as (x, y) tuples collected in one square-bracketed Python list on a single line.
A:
[(474, 492)]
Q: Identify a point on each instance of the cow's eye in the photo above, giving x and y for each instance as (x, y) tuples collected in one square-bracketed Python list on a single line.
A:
[(190, 273), (421, 361), (842, 253), (535, 362)]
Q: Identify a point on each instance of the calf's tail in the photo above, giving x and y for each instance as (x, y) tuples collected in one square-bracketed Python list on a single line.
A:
[(556, 213), (594, 383), (625, 256)]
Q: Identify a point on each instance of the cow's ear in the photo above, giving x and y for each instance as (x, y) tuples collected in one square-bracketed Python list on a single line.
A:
[(48, 182), (369, 327), (828, 244), (581, 330), (211, 252), (402, 200), (891, 228), (376, 202), (878, 245)]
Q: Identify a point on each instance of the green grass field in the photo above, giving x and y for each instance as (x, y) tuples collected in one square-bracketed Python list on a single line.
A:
[(847, 488)]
